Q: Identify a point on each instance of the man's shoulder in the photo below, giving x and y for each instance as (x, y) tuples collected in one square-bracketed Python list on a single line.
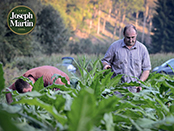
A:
[(117, 43), (142, 48), (39, 70), (140, 45), (42, 68)]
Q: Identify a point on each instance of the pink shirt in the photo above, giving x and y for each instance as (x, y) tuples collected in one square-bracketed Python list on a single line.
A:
[(47, 72)]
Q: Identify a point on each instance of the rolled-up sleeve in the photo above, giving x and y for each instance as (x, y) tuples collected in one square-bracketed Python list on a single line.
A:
[(108, 58), (146, 64)]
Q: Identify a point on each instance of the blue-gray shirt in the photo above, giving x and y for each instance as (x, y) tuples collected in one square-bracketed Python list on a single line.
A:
[(130, 62)]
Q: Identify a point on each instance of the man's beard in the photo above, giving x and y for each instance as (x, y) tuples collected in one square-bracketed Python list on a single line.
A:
[(130, 44)]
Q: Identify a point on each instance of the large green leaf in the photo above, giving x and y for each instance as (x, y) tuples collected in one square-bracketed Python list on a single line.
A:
[(172, 109), (57, 101), (170, 84), (107, 77), (120, 118), (109, 121), (6, 123), (63, 88), (94, 69), (108, 82), (30, 94), (63, 79), (11, 109), (96, 86), (105, 106), (163, 106), (165, 124), (114, 81), (51, 109), (82, 111), (121, 121), (39, 84)]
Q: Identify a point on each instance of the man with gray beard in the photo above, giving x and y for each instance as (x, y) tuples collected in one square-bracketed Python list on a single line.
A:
[(129, 57)]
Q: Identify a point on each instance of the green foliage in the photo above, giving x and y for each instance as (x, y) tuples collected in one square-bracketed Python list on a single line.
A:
[(92, 105), (26, 62), (39, 84), (82, 112), (50, 35), (6, 118), (85, 46), (51, 31), (162, 39)]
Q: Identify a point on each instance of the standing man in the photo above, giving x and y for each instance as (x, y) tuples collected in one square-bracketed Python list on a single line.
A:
[(34, 74), (129, 57)]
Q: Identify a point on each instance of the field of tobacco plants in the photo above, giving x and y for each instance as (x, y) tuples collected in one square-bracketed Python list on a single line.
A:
[(90, 105)]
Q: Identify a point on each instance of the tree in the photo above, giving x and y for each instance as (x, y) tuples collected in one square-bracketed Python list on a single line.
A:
[(52, 33), (84, 46), (107, 7), (163, 27), (101, 5), (122, 9), (138, 7)]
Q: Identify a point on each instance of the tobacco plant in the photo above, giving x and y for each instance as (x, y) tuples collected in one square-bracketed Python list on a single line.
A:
[(91, 105)]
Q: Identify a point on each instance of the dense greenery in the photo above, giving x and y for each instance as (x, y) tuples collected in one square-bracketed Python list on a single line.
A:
[(85, 46), (163, 22), (99, 22), (91, 105), (89, 26), (49, 36), (22, 64), (51, 31)]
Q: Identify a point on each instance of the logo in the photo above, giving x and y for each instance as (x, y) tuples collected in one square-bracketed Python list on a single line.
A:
[(21, 20)]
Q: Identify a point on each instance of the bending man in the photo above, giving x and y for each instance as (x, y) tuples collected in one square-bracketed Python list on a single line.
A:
[(33, 74)]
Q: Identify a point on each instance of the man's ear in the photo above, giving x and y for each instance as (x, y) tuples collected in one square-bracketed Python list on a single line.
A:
[(24, 90), (27, 89)]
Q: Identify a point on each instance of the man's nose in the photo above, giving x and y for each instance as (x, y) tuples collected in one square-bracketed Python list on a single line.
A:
[(130, 39)]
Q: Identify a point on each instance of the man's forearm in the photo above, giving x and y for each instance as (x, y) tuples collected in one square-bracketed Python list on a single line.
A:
[(144, 75), (104, 63), (9, 98), (9, 95)]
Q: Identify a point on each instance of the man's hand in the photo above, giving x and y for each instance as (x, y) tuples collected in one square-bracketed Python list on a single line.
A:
[(139, 89), (143, 77), (107, 67)]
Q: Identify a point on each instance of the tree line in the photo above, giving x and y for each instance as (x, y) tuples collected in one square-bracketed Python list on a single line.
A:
[(49, 36), (59, 20)]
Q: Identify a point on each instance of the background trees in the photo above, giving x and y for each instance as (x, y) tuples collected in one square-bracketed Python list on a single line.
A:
[(49, 36), (51, 31), (86, 26), (163, 23)]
